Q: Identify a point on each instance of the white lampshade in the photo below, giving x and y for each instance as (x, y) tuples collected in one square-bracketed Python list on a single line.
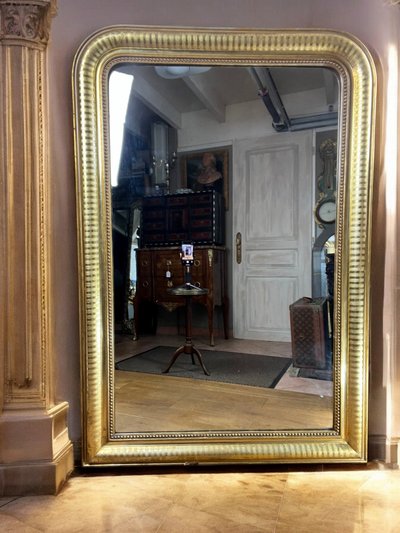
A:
[(179, 71)]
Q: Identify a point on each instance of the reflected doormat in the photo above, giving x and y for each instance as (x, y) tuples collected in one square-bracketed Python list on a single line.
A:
[(228, 367)]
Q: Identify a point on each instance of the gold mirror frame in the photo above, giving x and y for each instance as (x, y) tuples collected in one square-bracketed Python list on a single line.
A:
[(347, 440)]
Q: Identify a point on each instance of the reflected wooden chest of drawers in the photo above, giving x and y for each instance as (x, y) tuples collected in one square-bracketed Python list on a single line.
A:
[(208, 271)]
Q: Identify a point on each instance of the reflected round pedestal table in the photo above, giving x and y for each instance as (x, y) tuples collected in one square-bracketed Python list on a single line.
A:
[(188, 291)]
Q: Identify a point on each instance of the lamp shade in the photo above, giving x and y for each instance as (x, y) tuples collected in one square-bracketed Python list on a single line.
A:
[(179, 71)]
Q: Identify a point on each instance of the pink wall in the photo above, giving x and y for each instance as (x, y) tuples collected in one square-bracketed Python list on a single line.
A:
[(370, 20)]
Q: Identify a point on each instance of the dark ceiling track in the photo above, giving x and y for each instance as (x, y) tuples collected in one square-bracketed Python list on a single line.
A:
[(281, 121), (269, 94), (314, 121), (276, 118)]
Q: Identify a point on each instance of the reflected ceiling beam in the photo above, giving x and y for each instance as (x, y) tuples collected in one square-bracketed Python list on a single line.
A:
[(157, 103), (119, 222), (207, 96)]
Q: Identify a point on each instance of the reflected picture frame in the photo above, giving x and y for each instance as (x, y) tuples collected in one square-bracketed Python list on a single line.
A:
[(191, 166)]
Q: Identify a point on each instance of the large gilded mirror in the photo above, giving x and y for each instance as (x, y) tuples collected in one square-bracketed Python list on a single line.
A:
[(224, 203)]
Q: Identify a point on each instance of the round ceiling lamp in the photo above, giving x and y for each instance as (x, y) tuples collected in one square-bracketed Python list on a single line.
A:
[(179, 71)]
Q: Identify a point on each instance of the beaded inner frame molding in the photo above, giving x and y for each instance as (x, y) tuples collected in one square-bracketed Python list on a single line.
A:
[(347, 440)]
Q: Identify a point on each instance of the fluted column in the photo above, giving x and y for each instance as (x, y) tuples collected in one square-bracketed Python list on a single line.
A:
[(35, 451)]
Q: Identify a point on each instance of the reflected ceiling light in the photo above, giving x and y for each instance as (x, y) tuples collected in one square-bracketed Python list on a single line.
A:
[(170, 72)]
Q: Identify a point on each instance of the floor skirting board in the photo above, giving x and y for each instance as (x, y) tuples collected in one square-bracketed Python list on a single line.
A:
[(385, 449)]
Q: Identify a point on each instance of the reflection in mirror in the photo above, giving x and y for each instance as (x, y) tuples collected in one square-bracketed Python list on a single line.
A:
[(241, 163)]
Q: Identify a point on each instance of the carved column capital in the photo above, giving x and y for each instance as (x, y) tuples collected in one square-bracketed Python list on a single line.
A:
[(27, 21)]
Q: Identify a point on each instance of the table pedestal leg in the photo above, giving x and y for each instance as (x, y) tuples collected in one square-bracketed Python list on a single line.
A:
[(188, 347)]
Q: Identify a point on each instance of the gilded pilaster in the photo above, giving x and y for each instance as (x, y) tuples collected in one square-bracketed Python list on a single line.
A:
[(26, 363)]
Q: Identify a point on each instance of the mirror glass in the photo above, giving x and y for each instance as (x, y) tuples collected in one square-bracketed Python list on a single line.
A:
[(241, 163), (224, 205)]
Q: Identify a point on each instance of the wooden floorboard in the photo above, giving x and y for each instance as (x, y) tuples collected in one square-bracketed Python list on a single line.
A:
[(149, 402)]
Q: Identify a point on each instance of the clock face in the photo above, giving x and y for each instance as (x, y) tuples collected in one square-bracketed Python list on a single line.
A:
[(325, 212)]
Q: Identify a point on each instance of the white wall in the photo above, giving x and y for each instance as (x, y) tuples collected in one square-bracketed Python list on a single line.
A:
[(243, 121), (200, 129)]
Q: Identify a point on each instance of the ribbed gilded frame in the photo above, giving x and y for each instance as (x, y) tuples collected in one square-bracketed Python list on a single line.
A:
[(347, 440)]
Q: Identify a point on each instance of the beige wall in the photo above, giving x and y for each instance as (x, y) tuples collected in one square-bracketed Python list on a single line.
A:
[(372, 21)]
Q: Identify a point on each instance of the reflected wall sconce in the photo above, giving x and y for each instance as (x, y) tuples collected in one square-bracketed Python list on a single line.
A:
[(161, 162)]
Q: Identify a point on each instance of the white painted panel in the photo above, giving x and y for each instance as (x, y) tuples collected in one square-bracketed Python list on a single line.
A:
[(272, 197), (268, 301), (272, 258)]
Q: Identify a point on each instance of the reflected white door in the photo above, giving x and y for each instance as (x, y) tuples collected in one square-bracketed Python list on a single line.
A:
[(272, 211)]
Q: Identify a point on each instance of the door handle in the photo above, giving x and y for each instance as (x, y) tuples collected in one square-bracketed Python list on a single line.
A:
[(238, 248)]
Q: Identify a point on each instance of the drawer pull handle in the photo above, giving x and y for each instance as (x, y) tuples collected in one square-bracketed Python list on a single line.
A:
[(197, 283), (145, 284), (197, 263)]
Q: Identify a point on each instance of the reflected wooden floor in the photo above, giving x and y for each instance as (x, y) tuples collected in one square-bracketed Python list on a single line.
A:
[(153, 403)]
